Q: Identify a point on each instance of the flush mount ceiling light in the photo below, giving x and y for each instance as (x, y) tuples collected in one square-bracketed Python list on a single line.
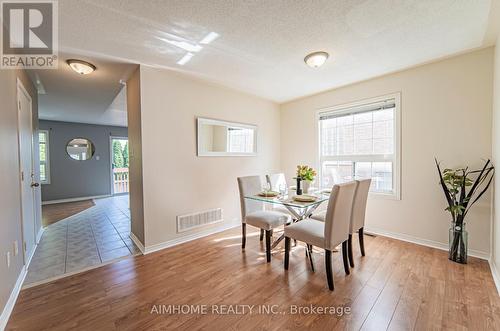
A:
[(316, 59), (81, 67)]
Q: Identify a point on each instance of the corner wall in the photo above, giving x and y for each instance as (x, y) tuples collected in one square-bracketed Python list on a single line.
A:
[(495, 254), (134, 110), (446, 113)]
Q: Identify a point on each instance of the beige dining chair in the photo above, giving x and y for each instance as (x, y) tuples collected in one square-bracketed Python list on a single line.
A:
[(357, 223), (358, 216), (275, 181), (330, 233), (252, 212)]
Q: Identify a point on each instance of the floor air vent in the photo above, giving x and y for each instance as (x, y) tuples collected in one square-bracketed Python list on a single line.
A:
[(197, 220)]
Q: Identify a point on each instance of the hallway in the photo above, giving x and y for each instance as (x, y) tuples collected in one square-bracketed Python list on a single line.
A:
[(83, 241)]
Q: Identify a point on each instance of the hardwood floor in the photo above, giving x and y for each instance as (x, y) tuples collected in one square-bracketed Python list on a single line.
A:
[(55, 212), (396, 286)]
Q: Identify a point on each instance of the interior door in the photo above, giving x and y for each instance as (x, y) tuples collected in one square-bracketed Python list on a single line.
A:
[(28, 183)]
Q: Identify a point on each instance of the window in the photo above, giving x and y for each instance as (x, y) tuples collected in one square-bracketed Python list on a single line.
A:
[(43, 140), (361, 140), (240, 140)]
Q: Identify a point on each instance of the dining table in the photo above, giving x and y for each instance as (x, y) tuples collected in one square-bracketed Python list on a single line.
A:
[(298, 209)]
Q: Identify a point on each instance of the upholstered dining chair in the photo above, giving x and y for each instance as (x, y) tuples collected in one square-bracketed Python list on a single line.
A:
[(276, 181), (330, 233), (252, 212), (357, 217)]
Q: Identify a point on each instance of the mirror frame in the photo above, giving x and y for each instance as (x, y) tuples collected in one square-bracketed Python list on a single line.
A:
[(66, 149), (201, 120)]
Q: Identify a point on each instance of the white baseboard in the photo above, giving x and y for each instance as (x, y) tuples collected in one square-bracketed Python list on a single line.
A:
[(184, 239), (9, 306), (495, 274), (424, 242), (137, 242), (51, 202), (37, 241)]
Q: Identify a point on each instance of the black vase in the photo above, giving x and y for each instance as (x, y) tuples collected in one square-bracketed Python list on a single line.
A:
[(299, 189)]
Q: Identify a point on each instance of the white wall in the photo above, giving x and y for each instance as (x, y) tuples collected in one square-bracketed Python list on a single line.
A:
[(495, 259), (176, 181), (446, 113)]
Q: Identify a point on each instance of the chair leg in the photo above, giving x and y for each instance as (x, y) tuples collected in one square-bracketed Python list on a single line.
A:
[(243, 235), (328, 267), (349, 248), (268, 245), (344, 257), (310, 250), (287, 252), (361, 242), (261, 235)]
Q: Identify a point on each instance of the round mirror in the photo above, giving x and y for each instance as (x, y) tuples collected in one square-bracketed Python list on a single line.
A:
[(80, 149)]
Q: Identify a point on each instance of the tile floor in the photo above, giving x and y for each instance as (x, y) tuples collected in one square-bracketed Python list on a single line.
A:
[(93, 237)]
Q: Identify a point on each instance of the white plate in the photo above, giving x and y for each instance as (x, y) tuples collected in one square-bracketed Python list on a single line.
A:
[(269, 194), (305, 198)]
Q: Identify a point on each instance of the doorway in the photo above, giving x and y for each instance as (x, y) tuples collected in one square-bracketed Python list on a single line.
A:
[(119, 165), (27, 174)]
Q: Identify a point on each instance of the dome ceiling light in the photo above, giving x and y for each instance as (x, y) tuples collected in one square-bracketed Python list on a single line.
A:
[(316, 59), (81, 67)]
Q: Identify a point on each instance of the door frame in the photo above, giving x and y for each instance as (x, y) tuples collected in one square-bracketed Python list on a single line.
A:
[(111, 164), (20, 88)]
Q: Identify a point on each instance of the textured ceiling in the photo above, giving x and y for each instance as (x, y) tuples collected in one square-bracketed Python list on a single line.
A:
[(98, 98), (262, 44)]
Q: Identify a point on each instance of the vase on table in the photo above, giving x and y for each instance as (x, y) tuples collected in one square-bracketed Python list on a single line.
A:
[(306, 185), (458, 243), (298, 188)]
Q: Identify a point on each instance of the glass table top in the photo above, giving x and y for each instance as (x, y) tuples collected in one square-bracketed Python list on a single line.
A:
[(287, 200)]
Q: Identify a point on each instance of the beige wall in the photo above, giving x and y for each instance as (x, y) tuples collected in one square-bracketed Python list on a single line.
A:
[(446, 112), (135, 155), (10, 203), (176, 181), (496, 157)]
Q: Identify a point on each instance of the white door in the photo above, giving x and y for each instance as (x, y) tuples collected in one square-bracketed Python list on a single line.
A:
[(28, 184)]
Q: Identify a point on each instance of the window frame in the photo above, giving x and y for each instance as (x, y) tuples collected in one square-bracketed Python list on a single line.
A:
[(47, 156), (346, 108)]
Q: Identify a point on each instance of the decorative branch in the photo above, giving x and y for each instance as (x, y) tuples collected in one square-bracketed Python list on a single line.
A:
[(455, 184)]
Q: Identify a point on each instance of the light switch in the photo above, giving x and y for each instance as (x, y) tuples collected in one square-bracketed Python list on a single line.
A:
[(16, 248), (97, 157)]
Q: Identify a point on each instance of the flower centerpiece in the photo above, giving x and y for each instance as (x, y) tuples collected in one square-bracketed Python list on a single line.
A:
[(462, 188), (306, 175)]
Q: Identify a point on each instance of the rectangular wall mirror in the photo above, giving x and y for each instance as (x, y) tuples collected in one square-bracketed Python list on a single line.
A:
[(221, 138)]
